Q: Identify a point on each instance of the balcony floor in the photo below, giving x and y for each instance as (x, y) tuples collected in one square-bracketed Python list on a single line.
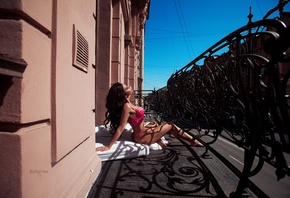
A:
[(176, 171)]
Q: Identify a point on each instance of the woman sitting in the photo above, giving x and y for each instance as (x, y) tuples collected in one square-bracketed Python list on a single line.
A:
[(120, 111)]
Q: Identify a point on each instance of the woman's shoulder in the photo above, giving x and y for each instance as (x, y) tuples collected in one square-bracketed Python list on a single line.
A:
[(127, 106)]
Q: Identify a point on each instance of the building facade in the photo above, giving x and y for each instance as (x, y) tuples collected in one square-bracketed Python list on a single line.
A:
[(120, 47), (58, 59)]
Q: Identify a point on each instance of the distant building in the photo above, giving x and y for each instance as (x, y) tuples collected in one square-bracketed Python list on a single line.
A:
[(58, 59)]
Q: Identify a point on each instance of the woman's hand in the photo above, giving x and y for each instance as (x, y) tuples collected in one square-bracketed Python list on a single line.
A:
[(102, 148)]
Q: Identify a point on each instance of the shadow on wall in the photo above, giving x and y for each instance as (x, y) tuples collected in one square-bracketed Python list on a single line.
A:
[(6, 82)]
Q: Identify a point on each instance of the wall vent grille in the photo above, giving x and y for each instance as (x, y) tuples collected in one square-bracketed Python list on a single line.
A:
[(80, 51)]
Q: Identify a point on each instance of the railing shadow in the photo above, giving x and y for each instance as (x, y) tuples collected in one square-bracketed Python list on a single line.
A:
[(175, 171)]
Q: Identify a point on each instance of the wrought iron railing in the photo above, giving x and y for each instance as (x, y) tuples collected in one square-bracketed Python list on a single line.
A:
[(240, 86)]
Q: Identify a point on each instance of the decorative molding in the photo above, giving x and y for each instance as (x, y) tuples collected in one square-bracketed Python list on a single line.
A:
[(141, 9), (11, 66), (126, 5), (20, 15), (128, 39)]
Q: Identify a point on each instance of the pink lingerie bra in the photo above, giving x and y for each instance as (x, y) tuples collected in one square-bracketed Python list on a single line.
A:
[(139, 113)]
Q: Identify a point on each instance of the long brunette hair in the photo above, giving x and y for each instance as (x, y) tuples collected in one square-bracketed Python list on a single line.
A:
[(115, 101)]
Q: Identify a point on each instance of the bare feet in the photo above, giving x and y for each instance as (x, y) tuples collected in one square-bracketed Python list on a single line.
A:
[(196, 143)]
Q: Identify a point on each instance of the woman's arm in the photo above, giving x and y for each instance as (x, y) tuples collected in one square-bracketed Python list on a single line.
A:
[(151, 125), (120, 129)]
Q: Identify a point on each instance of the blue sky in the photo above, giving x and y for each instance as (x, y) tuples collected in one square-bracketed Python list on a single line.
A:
[(177, 31)]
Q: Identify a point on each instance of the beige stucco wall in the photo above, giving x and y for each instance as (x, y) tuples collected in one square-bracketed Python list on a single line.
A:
[(103, 57), (49, 108), (46, 119), (74, 89)]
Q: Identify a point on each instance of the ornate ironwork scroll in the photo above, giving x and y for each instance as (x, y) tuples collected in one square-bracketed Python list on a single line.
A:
[(240, 86)]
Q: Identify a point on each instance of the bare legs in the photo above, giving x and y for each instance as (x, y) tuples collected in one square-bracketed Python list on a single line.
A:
[(177, 132), (154, 135)]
